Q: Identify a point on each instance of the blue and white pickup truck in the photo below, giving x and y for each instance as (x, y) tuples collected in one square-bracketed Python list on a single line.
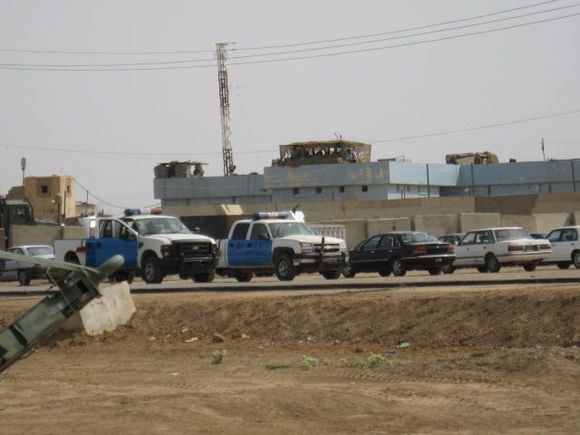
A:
[(279, 243), (153, 246)]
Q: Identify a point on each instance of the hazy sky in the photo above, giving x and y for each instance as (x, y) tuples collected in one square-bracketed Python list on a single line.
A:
[(374, 93)]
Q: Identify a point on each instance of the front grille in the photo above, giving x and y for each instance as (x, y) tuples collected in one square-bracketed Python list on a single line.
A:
[(330, 247), (193, 249)]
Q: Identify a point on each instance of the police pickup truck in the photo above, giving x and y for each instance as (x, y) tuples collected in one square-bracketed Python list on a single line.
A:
[(153, 246), (279, 243)]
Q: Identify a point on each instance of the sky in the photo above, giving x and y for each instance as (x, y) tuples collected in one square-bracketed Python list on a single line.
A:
[(103, 91)]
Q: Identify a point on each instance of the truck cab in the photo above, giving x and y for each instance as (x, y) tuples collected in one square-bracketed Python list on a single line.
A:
[(279, 243)]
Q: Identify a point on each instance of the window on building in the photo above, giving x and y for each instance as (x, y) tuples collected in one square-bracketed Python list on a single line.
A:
[(44, 189), (365, 188), (341, 189), (319, 190), (295, 191)]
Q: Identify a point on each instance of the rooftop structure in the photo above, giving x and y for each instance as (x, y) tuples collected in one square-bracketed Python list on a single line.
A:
[(323, 152)]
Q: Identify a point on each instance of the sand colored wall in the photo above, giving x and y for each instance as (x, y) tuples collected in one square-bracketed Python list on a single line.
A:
[(577, 218), (356, 230), (42, 234), (548, 221), (377, 226), (438, 225), (473, 221), (525, 221), (2, 240)]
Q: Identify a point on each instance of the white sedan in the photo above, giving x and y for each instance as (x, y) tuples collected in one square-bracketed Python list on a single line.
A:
[(565, 247), (491, 248), (11, 270)]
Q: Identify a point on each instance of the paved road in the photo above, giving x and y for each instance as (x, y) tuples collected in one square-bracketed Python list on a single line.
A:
[(547, 274)]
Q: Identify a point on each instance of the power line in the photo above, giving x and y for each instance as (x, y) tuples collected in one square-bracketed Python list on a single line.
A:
[(481, 127), (173, 66), (167, 153), (325, 41)]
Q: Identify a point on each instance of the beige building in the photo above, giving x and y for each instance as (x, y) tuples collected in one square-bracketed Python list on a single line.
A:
[(52, 198)]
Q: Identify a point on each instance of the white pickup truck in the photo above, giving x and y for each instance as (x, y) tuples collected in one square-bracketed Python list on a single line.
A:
[(153, 246), (280, 243)]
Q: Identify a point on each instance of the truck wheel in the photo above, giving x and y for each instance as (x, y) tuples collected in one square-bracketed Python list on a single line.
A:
[(348, 271), (71, 258), (243, 276), (331, 274), (482, 269), (530, 267), (398, 268), (23, 277), (203, 277), (151, 270), (492, 264), (284, 268), (122, 276)]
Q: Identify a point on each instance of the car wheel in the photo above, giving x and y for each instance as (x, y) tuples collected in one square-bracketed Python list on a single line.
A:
[(331, 274), (563, 265), (448, 268), (576, 259), (385, 272), (348, 271), (151, 270), (398, 268), (530, 267), (203, 277), (121, 276), (284, 268), (243, 276), (482, 269), (23, 277), (492, 264), (435, 271)]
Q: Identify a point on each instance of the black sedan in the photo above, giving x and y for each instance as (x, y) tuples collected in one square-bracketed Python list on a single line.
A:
[(399, 251)]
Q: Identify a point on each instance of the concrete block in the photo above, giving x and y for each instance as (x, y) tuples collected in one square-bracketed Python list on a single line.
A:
[(356, 230), (34, 234), (114, 308), (438, 225), (548, 221), (528, 222), (474, 221), (377, 226)]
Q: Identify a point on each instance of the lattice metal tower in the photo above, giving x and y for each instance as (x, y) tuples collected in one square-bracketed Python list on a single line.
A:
[(221, 54)]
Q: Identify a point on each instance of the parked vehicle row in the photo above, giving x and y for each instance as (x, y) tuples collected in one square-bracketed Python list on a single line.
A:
[(11, 270)]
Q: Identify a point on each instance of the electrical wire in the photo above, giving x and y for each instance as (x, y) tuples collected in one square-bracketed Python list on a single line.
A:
[(299, 44), (100, 67)]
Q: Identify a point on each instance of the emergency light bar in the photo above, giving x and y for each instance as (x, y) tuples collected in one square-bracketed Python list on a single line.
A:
[(142, 211), (286, 214)]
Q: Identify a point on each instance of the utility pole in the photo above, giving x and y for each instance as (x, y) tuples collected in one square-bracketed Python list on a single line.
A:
[(221, 54)]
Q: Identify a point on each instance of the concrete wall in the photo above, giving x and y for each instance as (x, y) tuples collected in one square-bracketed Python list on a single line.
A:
[(356, 230), (577, 218), (525, 221), (438, 225), (2, 239), (473, 221), (548, 221), (42, 234), (377, 226)]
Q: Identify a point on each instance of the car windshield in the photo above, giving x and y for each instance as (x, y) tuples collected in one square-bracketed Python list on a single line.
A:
[(285, 229), (418, 238), (148, 227), (40, 250), (511, 234)]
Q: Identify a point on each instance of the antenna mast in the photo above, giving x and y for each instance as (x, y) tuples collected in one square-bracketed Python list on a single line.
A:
[(221, 54)]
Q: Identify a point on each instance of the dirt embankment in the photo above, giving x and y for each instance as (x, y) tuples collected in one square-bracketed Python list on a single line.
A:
[(523, 317)]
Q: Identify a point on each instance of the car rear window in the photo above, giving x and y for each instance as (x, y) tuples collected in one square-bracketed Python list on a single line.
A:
[(40, 250), (511, 234), (418, 238)]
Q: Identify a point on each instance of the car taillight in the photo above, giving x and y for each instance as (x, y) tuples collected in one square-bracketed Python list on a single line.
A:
[(515, 248), (81, 250), (421, 249), (450, 249), (546, 246)]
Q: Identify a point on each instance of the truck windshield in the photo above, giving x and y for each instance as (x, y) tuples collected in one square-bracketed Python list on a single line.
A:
[(148, 227), (512, 234), (285, 229)]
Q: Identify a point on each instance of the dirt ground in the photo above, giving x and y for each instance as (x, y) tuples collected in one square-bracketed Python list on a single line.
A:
[(437, 360)]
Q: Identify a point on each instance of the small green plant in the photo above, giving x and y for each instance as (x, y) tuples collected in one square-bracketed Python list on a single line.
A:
[(308, 362), (373, 361), (218, 356)]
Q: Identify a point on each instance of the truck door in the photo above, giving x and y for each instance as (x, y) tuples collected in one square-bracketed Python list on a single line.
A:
[(259, 250), (236, 248), (110, 243)]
